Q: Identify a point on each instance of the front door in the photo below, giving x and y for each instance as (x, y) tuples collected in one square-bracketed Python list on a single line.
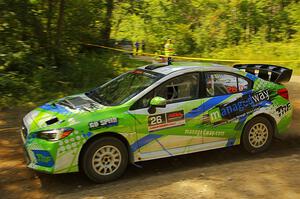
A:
[(164, 133)]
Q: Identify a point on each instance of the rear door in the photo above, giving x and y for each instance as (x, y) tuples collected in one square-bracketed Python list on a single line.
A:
[(225, 106)]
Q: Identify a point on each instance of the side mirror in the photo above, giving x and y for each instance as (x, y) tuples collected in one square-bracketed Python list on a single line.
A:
[(157, 102)]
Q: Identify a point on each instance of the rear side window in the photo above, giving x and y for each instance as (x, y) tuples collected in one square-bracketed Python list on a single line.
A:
[(218, 83), (243, 84)]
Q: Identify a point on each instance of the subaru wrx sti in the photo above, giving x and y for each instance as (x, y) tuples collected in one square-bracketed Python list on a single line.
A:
[(158, 111)]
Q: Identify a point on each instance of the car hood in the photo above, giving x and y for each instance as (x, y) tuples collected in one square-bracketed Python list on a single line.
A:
[(64, 110)]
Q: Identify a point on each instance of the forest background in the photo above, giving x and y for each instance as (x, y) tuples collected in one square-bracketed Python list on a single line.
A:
[(42, 55)]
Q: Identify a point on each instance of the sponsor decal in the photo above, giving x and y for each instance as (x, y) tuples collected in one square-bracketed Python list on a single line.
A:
[(175, 116), (215, 115), (210, 103), (87, 135), (205, 133), (245, 104), (281, 110), (55, 108), (165, 120), (43, 158), (103, 123), (232, 89)]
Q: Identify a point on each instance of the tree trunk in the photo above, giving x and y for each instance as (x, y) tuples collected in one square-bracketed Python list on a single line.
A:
[(28, 19), (60, 23), (59, 33), (107, 21), (48, 28)]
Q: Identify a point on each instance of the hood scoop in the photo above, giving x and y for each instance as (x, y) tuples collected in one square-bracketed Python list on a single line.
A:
[(52, 121), (79, 102)]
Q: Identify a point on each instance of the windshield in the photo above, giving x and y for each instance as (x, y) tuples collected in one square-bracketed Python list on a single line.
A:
[(124, 87)]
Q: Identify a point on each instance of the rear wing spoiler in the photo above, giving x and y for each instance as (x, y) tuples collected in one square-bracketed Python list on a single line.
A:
[(268, 72)]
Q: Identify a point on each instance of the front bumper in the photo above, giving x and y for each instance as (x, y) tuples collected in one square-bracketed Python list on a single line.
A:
[(52, 156), (39, 154)]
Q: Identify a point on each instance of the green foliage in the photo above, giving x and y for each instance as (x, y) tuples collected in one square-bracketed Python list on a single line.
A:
[(262, 53), (94, 69), (15, 89), (46, 83), (205, 25), (42, 56)]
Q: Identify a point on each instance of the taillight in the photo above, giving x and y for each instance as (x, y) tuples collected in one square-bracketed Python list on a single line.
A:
[(283, 93)]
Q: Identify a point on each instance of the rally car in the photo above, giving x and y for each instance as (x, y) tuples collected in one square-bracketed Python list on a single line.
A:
[(158, 111)]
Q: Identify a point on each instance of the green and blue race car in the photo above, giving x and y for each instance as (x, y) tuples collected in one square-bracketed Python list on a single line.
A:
[(158, 111)]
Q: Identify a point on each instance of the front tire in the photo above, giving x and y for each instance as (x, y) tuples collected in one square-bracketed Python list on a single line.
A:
[(105, 160), (257, 135)]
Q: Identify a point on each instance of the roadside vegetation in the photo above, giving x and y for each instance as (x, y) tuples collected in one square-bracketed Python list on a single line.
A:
[(42, 56)]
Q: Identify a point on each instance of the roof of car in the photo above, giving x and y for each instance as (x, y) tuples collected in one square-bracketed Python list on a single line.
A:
[(190, 66)]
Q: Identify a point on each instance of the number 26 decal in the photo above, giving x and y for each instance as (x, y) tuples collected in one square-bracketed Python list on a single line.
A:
[(165, 120), (156, 119)]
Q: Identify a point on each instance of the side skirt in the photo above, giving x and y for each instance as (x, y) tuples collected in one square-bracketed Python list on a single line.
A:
[(187, 150)]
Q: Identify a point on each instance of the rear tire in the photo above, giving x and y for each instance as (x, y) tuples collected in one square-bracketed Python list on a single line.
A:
[(257, 135), (105, 160)]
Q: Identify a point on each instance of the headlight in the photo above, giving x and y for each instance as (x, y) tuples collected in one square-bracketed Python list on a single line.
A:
[(54, 135)]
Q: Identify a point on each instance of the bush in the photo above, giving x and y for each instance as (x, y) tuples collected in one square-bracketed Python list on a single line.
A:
[(87, 71)]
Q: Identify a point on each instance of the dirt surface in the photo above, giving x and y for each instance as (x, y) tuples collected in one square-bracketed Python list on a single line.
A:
[(221, 173)]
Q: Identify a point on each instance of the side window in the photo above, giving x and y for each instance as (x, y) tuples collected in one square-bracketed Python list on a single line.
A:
[(244, 85), (218, 83), (181, 88)]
